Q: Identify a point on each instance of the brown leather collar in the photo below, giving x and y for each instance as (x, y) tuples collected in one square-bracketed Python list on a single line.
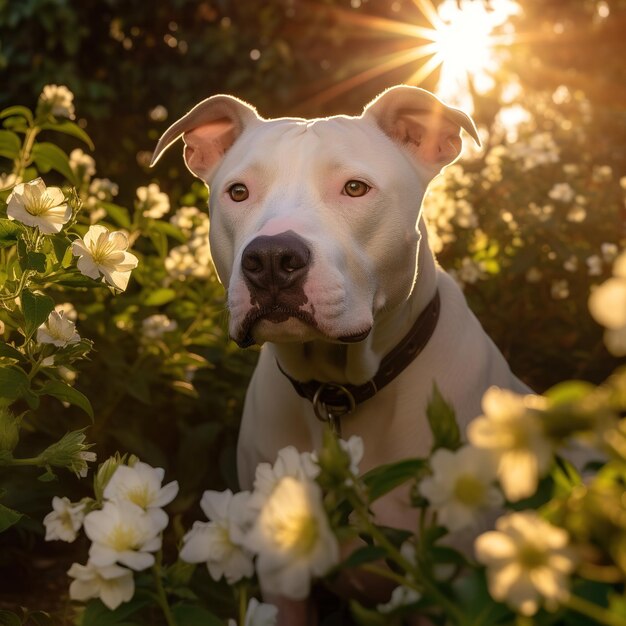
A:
[(333, 400)]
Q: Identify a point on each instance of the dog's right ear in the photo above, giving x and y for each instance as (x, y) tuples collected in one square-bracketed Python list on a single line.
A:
[(208, 130)]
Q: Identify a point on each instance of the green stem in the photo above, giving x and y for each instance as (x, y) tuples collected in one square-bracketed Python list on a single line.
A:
[(593, 611), (243, 605), (391, 575), (24, 159), (405, 564), (161, 595), (33, 460), (25, 276)]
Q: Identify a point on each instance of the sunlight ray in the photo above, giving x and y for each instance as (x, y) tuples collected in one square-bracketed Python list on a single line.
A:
[(396, 61)]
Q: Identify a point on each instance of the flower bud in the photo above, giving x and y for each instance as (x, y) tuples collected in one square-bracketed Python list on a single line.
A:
[(104, 473), (70, 452), (9, 429)]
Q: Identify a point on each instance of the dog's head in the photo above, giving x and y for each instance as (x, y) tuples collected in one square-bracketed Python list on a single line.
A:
[(314, 222)]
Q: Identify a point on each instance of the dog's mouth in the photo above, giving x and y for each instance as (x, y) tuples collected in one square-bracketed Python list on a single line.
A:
[(277, 314)]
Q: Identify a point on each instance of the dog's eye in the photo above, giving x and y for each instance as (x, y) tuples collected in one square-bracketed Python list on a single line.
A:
[(355, 188), (238, 192)]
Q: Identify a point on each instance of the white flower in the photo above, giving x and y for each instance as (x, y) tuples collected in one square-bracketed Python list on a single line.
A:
[(533, 275), (187, 217), (220, 542), (68, 310), (104, 253), (400, 596), (103, 188), (58, 330), (594, 265), (192, 259), (576, 215), (601, 173), (527, 559), (60, 100), (562, 192), (259, 614), (141, 485), (461, 488), (470, 270), (289, 462), (292, 538), (123, 532), (34, 204), (607, 305), (112, 584), (609, 251), (512, 429), (82, 164), (571, 263), (154, 326), (154, 203), (65, 520), (559, 289)]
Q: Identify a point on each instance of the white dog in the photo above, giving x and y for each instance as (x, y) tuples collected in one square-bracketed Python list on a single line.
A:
[(317, 234)]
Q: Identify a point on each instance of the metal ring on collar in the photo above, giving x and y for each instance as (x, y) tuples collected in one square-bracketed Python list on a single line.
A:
[(325, 412)]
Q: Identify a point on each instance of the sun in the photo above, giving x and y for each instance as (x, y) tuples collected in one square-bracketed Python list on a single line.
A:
[(462, 43)]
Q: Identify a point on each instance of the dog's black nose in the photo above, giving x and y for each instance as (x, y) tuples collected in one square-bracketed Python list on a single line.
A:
[(275, 263)]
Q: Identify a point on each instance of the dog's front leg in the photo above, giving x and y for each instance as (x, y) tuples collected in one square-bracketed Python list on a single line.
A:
[(293, 612)]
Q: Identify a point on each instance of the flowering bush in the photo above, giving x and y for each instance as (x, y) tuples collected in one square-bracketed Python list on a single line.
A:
[(556, 550), (106, 310)]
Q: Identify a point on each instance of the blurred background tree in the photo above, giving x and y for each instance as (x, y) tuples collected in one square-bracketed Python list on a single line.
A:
[(528, 224)]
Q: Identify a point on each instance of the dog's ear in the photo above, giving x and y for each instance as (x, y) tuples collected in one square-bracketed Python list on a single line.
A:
[(428, 128), (208, 130)]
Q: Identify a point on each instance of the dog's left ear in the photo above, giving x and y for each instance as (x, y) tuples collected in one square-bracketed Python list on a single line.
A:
[(429, 129)]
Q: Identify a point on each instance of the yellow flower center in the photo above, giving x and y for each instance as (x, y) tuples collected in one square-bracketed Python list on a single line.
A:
[(123, 538), (469, 490), (104, 251), (531, 557), (288, 520), (140, 496), (38, 206)]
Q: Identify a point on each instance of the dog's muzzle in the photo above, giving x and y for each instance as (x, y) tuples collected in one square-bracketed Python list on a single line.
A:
[(275, 268)]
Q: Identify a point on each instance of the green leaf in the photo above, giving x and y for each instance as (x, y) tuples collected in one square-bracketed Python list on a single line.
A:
[(442, 420), (169, 229), (14, 383), (192, 615), (39, 618), (367, 617), (8, 517), (48, 157), (36, 309), (364, 555), (17, 110), (69, 128), (9, 231), (10, 144), (33, 261), (10, 352), (117, 213), (384, 478), (477, 606), (159, 241), (60, 243), (569, 392), (65, 393), (159, 297), (7, 618), (96, 614)]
